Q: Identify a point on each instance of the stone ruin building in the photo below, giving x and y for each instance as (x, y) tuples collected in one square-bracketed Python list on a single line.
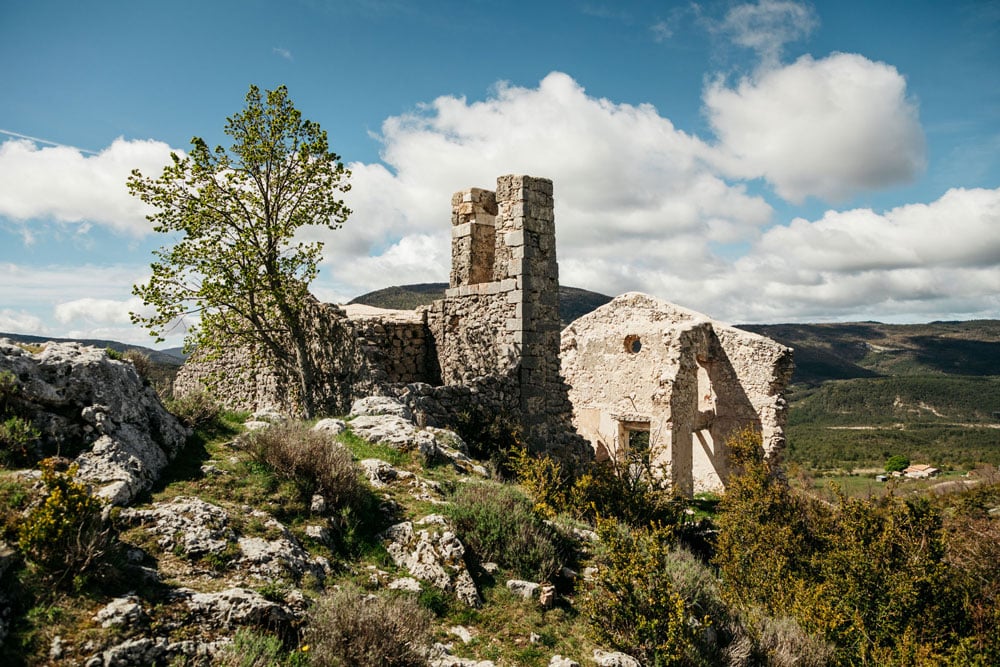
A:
[(644, 372), (637, 365)]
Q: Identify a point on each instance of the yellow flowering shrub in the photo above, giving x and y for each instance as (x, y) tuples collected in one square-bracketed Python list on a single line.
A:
[(64, 533), (635, 604)]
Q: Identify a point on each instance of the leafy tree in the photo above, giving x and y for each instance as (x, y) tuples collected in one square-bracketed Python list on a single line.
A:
[(897, 463), (237, 264)]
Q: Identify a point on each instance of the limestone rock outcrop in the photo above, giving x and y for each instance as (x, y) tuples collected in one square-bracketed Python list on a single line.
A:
[(431, 552), (77, 397)]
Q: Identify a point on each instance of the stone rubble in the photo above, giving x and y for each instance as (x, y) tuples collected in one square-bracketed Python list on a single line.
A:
[(526, 589), (186, 525), (371, 406), (331, 427), (559, 661), (123, 612), (396, 432), (239, 606)]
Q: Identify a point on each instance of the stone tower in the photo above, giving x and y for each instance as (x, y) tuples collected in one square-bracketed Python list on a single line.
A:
[(500, 315)]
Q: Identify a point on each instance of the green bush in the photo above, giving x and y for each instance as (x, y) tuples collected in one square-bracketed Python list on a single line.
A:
[(310, 460), (348, 628), (897, 463), (497, 523), (255, 649), (64, 534), (776, 642), (491, 436), (627, 489), (545, 480), (141, 362), (18, 438), (869, 576), (9, 389)]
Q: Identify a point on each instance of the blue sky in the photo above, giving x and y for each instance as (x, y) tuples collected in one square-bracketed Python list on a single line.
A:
[(759, 162)]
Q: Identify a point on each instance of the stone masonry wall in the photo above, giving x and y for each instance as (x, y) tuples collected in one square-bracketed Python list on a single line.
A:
[(396, 343), (500, 316), (246, 379)]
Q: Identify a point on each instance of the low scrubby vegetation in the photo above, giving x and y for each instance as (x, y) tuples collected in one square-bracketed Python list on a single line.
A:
[(498, 524), (765, 575), (348, 628), (64, 535), (309, 460), (197, 408)]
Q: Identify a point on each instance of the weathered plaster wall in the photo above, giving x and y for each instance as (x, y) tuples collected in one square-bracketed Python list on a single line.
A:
[(640, 363)]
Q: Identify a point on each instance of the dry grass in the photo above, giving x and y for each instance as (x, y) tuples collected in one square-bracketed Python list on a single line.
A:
[(350, 628), (311, 460)]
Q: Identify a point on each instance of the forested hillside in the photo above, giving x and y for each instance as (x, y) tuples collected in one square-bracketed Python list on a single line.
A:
[(865, 391)]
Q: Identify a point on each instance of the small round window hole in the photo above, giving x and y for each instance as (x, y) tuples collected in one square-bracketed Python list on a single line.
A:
[(632, 344)]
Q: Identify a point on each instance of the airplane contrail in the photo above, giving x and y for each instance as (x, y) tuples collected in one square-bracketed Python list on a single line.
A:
[(37, 140)]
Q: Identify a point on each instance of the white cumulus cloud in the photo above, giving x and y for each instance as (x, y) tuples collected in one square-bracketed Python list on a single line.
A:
[(942, 257), (97, 311), (828, 128), (629, 186), (68, 185), (19, 321)]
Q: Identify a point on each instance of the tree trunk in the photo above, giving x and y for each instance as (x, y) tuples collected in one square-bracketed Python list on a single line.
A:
[(305, 371)]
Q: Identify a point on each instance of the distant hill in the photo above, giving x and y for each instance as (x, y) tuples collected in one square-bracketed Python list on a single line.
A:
[(573, 301), (871, 349), (863, 391), (169, 357)]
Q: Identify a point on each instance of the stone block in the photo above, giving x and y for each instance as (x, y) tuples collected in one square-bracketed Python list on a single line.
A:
[(537, 224), (508, 284), (515, 238), (461, 229)]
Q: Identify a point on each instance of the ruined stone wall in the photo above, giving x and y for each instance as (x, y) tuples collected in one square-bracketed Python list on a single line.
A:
[(500, 315), (763, 371), (233, 376), (246, 379), (639, 364), (396, 343)]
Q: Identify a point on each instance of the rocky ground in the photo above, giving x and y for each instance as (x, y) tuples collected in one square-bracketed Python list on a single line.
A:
[(208, 541)]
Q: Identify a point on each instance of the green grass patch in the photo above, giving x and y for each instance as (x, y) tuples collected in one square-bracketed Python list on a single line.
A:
[(362, 449)]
